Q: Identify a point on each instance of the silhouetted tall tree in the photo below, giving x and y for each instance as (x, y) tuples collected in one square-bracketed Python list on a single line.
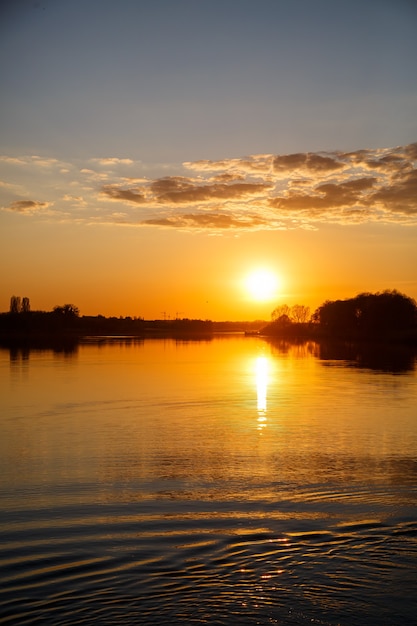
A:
[(15, 304), (25, 305)]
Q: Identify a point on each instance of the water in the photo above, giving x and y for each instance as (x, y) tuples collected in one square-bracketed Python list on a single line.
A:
[(230, 481)]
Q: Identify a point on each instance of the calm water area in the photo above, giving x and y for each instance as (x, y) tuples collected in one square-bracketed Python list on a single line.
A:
[(231, 480)]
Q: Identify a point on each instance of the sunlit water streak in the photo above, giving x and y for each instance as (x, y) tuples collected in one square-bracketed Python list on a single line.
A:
[(226, 482)]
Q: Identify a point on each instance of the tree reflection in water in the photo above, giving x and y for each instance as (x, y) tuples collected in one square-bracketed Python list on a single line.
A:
[(383, 357)]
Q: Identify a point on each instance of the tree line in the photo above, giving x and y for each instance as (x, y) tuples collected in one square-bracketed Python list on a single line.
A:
[(369, 314), (65, 320), (387, 314), (381, 315)]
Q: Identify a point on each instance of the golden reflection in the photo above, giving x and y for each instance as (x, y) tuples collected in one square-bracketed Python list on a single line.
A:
[(261, 369)]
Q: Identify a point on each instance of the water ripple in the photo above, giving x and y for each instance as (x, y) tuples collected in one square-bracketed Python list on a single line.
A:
[(203, 567)]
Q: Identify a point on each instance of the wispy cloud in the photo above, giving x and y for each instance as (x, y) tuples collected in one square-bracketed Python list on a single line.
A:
[(32, 160), (30, 207), (210, 220), (267, 191), (111, 161)]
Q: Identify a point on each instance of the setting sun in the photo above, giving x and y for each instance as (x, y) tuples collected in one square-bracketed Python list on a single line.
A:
[(262, 285)]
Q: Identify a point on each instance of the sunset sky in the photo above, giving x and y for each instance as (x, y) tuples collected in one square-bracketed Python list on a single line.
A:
[(154, 153)]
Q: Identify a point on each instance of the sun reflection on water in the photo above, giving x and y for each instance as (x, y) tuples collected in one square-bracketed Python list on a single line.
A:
[(261, 369)]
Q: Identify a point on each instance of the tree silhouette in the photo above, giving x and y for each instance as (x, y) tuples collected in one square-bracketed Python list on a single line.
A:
[(25, 305), (67, 310), (368, 314), (15, 304), (297, 314), (279, 311), (300, 314)]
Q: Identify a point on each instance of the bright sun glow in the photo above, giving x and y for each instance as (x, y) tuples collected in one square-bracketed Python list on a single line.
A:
[(262, 285)]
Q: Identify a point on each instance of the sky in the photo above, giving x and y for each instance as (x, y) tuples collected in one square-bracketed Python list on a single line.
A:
[(155, 153)]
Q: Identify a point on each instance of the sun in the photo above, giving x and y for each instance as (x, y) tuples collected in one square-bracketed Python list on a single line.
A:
[(262, 285)]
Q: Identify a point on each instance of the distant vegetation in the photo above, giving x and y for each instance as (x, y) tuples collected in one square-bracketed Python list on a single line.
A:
[(65, 320), (384, 315), (387, 315)]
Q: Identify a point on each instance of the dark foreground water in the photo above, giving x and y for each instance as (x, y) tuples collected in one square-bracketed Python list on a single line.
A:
[(230, 481)]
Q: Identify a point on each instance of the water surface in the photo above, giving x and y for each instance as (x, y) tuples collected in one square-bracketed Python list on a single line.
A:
[(227, 481)]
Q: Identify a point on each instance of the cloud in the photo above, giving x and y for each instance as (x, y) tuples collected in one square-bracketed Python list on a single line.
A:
[(400, 197), (31, 160), (306, 164), (181, 191), (93, 176), (326, 196), (204, 221), (264, 191), (12, 160), (112, 161), (257, 163), (28, 206), (126, 195), (77, 201)]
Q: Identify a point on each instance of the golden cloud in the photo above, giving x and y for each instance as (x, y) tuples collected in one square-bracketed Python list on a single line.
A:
[(181, 191), (112, 161), (126, 195), (263, 191), (306, 163), (210, 220), (27, 206)]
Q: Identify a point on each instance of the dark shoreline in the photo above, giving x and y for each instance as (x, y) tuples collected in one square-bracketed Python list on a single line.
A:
[(392, 355), (295, 333)]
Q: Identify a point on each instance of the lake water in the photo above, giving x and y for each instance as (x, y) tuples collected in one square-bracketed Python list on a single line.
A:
[(226, 481)]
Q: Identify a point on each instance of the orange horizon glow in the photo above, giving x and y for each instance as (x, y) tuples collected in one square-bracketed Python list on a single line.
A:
[(124, 272), (192, 252), (214, 287)]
